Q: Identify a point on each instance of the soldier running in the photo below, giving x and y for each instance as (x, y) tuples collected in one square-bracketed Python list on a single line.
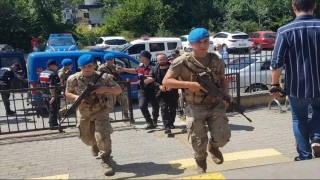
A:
[(203, 109), (93, 119)]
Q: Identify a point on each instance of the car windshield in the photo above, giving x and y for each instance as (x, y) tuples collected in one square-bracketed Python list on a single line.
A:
[(61, 42), (241, 63), (126, 47), (183, 38)]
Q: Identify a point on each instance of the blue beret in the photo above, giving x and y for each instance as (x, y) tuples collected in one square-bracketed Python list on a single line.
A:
[(66, 62), (85, 59), (198, 34), (108, 57)]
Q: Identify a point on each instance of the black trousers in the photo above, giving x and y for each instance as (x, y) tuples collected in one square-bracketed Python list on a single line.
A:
[(146, 96), (5, 97), (168, 105), (53, 110)]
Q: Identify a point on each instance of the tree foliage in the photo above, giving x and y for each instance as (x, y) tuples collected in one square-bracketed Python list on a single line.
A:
[(22, 19)]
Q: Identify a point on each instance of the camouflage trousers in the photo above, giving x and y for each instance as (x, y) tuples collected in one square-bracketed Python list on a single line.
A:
[(122, 99), (95, 130), (215, 117)]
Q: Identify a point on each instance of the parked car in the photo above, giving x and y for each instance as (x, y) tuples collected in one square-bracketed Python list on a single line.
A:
[(265, 39), (6, 48), (112, 43), (187, 48), (61, 42), (232, 41), (255, 74), (154, 45)]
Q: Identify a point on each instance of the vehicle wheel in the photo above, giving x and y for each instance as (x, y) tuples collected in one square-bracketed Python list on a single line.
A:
[(225, 47), (256, 88)]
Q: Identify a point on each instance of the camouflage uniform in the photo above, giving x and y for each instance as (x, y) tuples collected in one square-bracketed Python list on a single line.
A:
[(63, 75), (204, 109), (93, 119), (122, 98)]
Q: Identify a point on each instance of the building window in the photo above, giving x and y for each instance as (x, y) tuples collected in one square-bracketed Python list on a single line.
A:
[(86, 15)]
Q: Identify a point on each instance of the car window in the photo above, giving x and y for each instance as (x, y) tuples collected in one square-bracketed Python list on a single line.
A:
[(265, 66), (137, 48), (61, 42), (8, 61), (217, 35), (122, 62), (172, 45), (240, 37), (154, 47), (183, 39), (254, 35), (100, 41), (115, 42), (241, 63), (270, 35)]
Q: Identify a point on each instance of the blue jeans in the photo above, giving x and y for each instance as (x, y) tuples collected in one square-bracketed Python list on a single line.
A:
[(301, 127)]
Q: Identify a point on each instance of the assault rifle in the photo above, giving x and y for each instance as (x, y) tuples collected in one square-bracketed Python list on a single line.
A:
[(84, 95), (213, 90)]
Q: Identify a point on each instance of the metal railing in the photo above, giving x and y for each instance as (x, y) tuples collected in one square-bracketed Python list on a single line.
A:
[(35, 118)]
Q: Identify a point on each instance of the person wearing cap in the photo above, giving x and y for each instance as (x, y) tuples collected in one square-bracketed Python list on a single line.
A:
[(63, 74), (65, 71), (146, 89), (110, 68), (93, 117), (202, 108), (6, 76), (49, 78)]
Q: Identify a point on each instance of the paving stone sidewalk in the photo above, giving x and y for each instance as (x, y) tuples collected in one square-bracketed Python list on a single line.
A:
[(138, 153)]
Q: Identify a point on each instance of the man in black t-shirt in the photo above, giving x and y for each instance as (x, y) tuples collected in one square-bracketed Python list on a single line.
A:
[(6, 76), (167, 97)]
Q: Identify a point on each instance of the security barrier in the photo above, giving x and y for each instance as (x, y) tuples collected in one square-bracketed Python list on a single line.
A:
[(35, 118)]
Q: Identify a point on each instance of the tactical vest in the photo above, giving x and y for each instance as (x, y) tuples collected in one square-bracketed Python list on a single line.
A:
[(45, 78), (95, 102), (201, 98)]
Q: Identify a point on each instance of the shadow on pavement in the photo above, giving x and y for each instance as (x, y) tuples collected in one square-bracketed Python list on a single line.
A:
[(146, 169), (235, 127)]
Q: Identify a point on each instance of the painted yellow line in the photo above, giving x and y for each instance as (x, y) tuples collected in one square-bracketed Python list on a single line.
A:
[(60, 176), (183, 163), (206, 176)]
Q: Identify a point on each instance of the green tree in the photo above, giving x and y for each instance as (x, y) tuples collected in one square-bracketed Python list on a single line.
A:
[(16, 22), (141, 17)]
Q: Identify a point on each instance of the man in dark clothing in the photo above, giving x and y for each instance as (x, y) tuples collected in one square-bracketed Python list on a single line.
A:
[(49, 78), (167, 97), (6, 76), (146, 88), (254, 49)]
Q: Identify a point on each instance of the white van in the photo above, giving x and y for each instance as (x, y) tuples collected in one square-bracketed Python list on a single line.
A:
[(154, 45)]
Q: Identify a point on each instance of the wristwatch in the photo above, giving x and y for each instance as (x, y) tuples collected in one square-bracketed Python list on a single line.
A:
[(277, 85)]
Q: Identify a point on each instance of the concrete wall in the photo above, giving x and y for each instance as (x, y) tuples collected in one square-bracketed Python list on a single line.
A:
[(257, 98)]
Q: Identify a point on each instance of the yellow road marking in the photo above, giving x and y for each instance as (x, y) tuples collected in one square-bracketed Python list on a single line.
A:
[(60, 176), (183, 163), (206, 176)]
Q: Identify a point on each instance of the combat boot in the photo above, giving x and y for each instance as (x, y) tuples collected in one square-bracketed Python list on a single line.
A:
[(95, 150), (201, 166), (216, 155), (106, 166)]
